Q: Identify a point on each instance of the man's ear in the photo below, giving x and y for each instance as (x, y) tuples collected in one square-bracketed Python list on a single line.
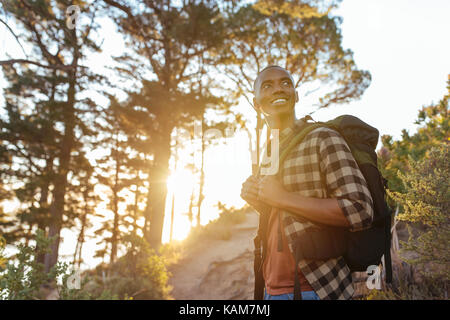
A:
[(296, 96)]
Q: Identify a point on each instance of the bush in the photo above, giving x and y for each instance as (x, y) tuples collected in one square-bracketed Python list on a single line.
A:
[(426, 202), (140, 274), (23, 278), (425, 269)]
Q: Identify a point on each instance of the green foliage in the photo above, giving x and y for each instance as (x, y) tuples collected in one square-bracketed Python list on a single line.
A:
[(3, 259), (434, 130), (426, 200), (140, 274), (23, 278), (298, 9), (47, 120), (418, 174)]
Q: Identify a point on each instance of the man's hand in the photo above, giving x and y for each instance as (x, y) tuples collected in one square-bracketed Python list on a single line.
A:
[(267, 192), (249, 191), (270, 191)]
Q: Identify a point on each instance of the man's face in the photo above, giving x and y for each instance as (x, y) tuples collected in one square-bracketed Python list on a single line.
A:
[(275, 94)]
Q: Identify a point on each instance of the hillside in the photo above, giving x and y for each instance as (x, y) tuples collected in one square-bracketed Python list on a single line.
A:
[(218, 269)]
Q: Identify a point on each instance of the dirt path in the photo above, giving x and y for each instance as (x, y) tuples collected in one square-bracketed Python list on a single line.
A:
[(218, 269)]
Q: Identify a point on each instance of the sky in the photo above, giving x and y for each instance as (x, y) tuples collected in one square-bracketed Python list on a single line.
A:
[(403, 44)]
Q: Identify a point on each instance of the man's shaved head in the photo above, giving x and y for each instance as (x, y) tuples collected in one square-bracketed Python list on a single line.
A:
[(266, 68)]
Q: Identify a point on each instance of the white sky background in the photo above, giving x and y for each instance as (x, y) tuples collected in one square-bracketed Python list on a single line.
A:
[(403, 43)]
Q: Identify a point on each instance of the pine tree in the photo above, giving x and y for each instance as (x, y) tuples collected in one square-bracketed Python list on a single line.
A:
[(121, 169), (46, 114), (172, 42)]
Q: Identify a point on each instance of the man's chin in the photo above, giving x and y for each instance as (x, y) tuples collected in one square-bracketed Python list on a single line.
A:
[(279, 112)]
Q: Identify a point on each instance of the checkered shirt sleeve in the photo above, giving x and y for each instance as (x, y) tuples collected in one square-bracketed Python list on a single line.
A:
[(322, 166), (344, 180)]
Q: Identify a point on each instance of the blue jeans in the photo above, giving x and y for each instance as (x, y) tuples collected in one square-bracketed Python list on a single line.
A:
[(306, 295)]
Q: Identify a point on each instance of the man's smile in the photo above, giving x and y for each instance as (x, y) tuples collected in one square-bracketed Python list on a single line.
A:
[(278, 101)]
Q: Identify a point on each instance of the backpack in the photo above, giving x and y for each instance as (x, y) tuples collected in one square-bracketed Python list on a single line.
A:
[(360, 249)]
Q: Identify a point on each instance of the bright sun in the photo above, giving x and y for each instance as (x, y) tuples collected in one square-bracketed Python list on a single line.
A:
[(179, 185), (181, 181)]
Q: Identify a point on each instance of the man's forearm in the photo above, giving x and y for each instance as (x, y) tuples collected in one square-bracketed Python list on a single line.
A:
[(325, 211)]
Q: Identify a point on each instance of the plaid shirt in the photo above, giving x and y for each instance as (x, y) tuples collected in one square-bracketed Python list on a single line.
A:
[(324, 156)]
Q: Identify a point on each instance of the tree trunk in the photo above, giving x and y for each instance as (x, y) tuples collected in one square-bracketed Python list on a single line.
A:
[(57, 207), (136, 208), (172, 208), (115, 231), (43, 205), (158, 189), (202, 176), (80, 240), (191, 206), (59, 192), (172, 215)]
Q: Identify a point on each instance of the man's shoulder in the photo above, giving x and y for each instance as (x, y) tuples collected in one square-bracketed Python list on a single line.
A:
[(319, 135)]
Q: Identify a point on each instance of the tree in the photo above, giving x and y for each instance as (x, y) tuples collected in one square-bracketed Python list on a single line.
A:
[(303, 40), (44, 98), (170, 43), (84, 202), (118, 170), (300, 36)]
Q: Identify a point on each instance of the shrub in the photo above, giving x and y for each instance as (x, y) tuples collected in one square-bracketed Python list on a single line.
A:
[(140, 274), (22, 278), (424, 273), (426, 202)]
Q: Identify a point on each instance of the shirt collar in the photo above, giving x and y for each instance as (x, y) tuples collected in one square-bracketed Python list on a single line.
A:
[(289, 130)]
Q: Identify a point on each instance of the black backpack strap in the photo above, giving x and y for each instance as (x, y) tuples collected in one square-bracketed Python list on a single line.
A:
[(259, 255), (297, 288), (258, 293), (387, 250)]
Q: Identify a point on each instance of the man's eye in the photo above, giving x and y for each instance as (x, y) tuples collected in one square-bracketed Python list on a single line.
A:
[(265, 86), (286, 83)]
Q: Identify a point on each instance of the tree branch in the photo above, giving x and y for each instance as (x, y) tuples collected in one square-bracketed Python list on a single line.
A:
[(15, 36), (25, 61)]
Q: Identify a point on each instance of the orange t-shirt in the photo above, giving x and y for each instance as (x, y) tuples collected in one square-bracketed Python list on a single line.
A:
[(278, 267)]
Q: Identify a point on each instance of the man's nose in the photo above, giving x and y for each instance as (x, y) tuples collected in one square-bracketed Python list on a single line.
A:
[(278, 88)]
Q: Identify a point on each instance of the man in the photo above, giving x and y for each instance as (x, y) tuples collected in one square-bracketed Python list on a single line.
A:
[(319, 182)]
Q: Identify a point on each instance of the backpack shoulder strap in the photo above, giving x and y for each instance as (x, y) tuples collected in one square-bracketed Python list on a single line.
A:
[(299, 138)]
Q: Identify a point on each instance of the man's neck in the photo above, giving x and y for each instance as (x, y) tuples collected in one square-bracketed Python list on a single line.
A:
[(282, 122)]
